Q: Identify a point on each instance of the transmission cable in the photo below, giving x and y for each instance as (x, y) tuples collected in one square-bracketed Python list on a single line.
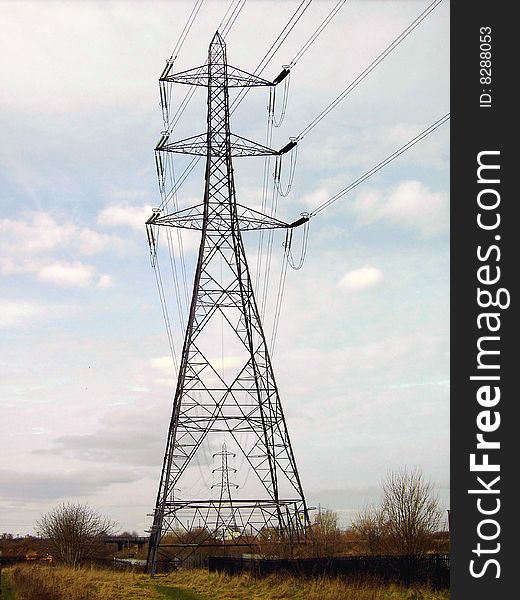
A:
[(317, 32), (219, 26), (165, 95), (383, 163), (296, 16), (272, 121), (192, 164), (186, 30), (281, 290), (400, 38), (169, 125), (261, 66), (181, 249), (166, 317), (232, 18)]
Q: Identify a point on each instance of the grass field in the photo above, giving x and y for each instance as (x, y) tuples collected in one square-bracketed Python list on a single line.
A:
[(6, 589), (32, 582)]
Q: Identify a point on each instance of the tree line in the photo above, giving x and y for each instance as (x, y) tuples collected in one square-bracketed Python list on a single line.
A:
[(406, 522)]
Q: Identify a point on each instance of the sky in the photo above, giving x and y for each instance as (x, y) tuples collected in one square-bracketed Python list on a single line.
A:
[(362, 349)]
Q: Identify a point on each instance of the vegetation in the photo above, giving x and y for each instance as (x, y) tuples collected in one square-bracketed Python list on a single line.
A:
[(407, 520), (405, 523), (6, 589), (218, 586), (33, 582), (327, 539), (410, 510), (75, 532)]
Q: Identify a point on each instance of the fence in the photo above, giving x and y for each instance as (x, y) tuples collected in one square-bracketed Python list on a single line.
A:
[(428, 569)]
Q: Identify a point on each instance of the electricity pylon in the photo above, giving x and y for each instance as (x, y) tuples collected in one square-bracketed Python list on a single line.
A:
[(237, 400), (226, 515)]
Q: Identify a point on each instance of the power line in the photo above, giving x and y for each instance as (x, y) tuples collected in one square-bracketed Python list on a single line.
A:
[(398, 40), (383, 163), (317, 32), (186, 30), (166, 95), (296, 16), (220, 25), (232, 18)]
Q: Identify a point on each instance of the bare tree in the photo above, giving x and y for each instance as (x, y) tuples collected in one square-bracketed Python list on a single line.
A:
[(75, 531), (326, 533), (370, 527), (410, 511)]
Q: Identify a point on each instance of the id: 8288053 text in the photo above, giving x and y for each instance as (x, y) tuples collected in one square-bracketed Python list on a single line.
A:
[(485, 67)]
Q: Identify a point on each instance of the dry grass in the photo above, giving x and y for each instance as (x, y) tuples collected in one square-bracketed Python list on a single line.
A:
[(33, 582), (218, 586)]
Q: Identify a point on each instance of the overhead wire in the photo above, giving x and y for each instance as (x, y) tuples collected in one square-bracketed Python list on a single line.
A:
[(261, 66), (273, 122), (285, 99), (175, 52), (296, 16), (398, 40), (170, 123), (220, 25), (278, 173), (227, 25), (166, 316), (280, 293), (287, 257), (232, 18), (185, 174), (173, 261), (287, 260), (186, 29), (267, 162), (317, 32), (292, 263), (381, 164), (180, 242)]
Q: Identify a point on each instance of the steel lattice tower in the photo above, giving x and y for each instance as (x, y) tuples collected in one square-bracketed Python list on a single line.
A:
[(240, 403), (227, 522)]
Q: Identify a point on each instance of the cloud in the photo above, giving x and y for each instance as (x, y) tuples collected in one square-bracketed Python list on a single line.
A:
[(104, 282), (67, 274), (411, 205), (127, 436), (227, 362), (123, 215), (42, 244), (53, 486), (163, 364), (166, 382), (316, 198), (360, 279), (18, 312), (39, 232), (91, 242)]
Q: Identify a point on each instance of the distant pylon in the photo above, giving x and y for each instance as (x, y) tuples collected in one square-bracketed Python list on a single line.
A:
[(227, 517), (236, 400)]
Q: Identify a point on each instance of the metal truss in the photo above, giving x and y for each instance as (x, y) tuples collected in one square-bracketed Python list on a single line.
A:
[(193, 218), (220, 146), (242, 404), (205, 76)]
